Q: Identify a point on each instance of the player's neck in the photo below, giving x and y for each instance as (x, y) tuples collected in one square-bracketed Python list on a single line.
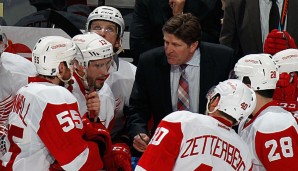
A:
[(261, 101)]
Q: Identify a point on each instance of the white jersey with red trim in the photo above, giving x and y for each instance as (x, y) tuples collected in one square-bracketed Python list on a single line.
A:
[(44, 125), (107, 101), (191, 141), (78, 90), (272, 138), (14, 72), (107, 106), (121, 83)]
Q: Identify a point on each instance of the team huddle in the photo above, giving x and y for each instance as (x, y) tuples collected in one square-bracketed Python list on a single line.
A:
[(65, 110)]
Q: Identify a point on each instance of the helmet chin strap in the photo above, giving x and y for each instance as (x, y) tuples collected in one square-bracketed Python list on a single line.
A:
[(120, 49), (84, 77), (66, 81)]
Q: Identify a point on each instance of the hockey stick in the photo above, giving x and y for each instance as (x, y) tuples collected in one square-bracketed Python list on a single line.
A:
[(284, 12)]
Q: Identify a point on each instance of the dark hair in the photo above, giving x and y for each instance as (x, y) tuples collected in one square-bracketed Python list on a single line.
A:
[(264, 93), (185, 27)]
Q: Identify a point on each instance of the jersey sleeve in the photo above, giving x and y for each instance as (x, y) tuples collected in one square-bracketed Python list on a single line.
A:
[(61, 130), (278, 150), (107, 106), (163, 148)]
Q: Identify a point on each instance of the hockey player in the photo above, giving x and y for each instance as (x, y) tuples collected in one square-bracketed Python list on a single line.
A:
[(14, 72), (270, 131), (190, 141), (45, 123), (286, 91), (98, 63), (108, 23)]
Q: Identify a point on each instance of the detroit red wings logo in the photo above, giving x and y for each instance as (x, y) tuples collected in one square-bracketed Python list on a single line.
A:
[(244, 106)]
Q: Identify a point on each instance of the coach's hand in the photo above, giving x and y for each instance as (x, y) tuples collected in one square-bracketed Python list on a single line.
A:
[(140, 142)]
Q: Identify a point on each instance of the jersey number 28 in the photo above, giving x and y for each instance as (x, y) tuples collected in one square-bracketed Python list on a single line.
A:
[(282, 147)]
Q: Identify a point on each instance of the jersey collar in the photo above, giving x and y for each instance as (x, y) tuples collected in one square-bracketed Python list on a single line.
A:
[(37, 79), (224, 121), (272, 103)]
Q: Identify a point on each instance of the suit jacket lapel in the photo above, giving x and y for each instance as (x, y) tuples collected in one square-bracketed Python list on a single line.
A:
[(291, 17), (206, 75), (165, 92), (252, 22)]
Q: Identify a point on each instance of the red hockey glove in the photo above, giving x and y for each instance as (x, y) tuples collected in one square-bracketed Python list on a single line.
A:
[(277, 41), (286, 91), (98, 133), (118, 158)]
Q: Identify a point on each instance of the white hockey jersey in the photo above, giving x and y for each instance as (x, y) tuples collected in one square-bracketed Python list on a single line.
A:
[(107, 101), (191, 141), (14, 72), (45, 124), (272, 138), (121, 83)]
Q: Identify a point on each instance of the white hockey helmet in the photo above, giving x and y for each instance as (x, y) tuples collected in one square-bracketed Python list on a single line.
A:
[(260, 69), (109, 14), (287, 60), (236, 99), (94, 47), (49, 51)]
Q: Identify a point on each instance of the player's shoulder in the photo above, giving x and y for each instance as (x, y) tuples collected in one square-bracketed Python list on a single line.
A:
[(47, 92), (274, 119), (17, 64), (106, 91), (126, 64), (185, 117)]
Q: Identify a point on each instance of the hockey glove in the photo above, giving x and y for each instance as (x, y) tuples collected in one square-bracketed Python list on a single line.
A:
[(277, 41), (286, 91), (98, 133), (118, 159)]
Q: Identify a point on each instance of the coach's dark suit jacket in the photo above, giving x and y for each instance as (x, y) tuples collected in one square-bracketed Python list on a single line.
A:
[(241, 28), (151, 93)]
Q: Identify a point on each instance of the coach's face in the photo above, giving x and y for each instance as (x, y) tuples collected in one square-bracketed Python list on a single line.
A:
[(177, 51)]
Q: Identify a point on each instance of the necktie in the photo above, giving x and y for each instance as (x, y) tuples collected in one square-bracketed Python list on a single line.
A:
[(274, 16), (183, 96)]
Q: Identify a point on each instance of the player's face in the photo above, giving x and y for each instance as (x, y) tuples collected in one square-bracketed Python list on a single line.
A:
[(107, 30), (98, 72), (177, 51)]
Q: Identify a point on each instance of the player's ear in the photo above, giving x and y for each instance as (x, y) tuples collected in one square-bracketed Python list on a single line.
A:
[(61, 67), (213, 103), (117, 43)]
